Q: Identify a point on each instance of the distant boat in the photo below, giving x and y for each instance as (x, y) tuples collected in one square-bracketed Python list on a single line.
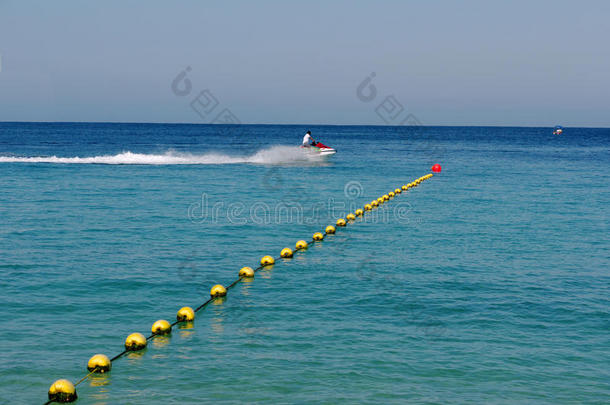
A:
[(558, 130)]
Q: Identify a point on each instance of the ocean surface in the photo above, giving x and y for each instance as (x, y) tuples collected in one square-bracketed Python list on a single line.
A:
[(488, 283)]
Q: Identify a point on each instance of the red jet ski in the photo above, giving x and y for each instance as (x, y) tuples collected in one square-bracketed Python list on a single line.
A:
[(319, 149)]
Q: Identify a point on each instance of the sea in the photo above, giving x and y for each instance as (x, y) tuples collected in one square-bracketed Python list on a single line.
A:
[(487, 283)]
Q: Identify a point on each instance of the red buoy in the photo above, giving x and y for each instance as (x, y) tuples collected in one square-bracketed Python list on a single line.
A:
[(436, 168)]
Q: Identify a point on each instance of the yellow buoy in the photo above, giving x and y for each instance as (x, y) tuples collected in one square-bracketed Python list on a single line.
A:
[(386, 197), (62, 391), (99, 363), (374, 203), (218, 291), (301, 245), (350, 217), (330, 229), (185, 314), (391, 194), (134, 342), (267, 260), (359, 212), (380, 200), (405, 187), (397, 191), (318, 236), (286, 252), (161, 327), (341, 222), (246, 272), (368, 207)]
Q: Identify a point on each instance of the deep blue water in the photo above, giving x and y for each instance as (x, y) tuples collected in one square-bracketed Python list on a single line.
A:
[(487, 283)]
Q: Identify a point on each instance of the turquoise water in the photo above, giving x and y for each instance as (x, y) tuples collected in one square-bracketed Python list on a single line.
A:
[(487, 283)]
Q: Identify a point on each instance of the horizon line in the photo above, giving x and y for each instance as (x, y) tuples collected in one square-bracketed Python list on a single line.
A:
[(303, 125)]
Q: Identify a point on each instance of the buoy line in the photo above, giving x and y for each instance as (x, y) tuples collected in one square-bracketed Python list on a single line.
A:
[(64, 391)]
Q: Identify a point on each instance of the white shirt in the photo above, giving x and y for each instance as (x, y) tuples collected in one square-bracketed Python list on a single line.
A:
[(307, 139)]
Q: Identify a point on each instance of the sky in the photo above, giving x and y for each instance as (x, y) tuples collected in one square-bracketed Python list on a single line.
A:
[(517, 63)]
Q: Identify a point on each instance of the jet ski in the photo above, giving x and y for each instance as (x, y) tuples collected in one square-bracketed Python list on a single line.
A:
[(319, 149)]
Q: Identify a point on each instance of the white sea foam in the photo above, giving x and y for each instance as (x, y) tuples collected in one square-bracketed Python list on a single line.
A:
[(272, 155)]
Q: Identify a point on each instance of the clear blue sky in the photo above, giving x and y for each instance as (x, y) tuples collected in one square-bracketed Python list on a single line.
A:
[(448, 62)]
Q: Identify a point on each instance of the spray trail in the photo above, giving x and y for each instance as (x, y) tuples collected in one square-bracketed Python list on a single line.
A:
[(272, 155)]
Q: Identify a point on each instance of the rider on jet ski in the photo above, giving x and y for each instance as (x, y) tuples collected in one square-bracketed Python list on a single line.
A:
[(319, 150), (308, 140)]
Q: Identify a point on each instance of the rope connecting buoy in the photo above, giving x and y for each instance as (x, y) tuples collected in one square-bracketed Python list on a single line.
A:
[(267, 261), (62, 391), (161, 327), (65, 391), (185, 314), (246, 272), (219, 290), (134, 342), (99, 363)]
